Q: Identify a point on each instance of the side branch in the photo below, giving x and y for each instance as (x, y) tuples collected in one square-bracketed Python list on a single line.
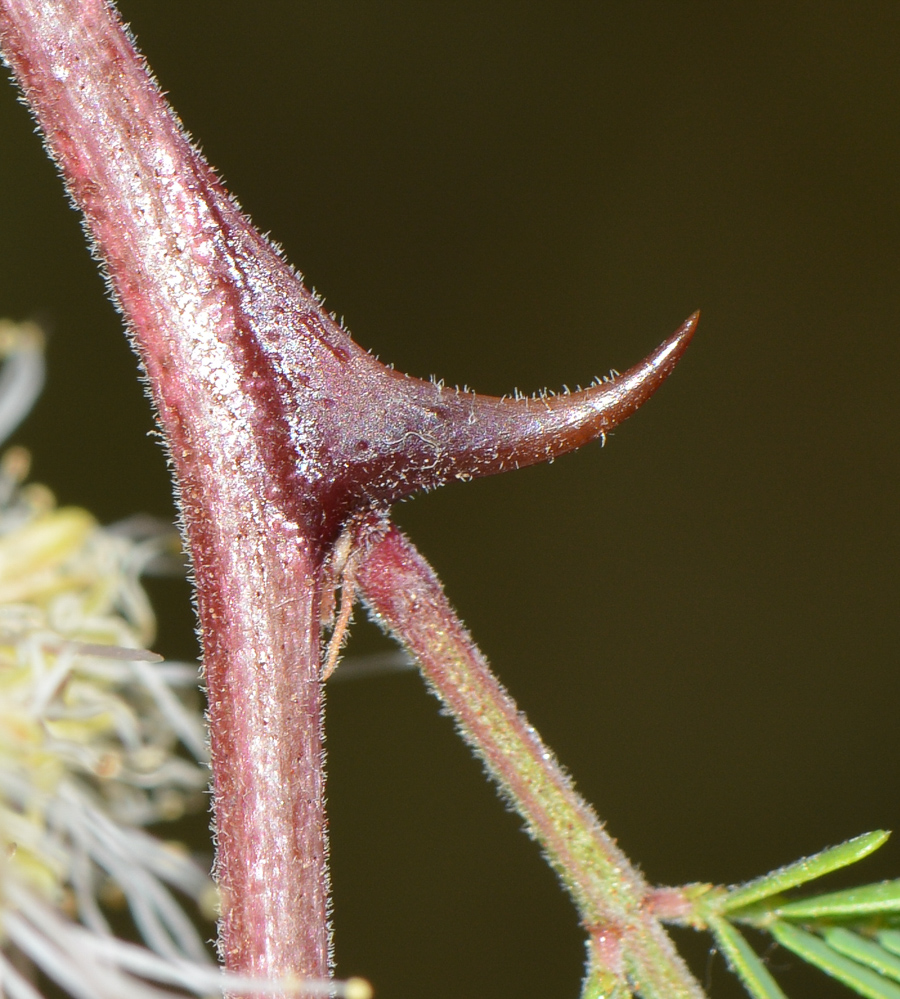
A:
[(628, 943)]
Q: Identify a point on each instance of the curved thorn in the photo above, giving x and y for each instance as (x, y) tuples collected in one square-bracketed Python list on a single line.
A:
[(553, 426), (406, 435)]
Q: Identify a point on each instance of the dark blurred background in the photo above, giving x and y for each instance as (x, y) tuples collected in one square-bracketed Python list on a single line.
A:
[(700, 618)]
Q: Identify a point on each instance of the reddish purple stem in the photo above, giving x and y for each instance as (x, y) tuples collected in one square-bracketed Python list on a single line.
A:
[(205, 298)]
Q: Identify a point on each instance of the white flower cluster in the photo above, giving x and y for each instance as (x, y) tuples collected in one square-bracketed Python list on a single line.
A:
[(99, 739)]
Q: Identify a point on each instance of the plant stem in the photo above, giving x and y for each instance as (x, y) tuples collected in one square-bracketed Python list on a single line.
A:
[(197, 285), (408, 600)]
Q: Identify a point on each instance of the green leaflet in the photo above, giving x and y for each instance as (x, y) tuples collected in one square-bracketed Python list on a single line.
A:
[(865, 951), (890, 940), (881, 897), (817, 952), (744, 961), (805, 870)]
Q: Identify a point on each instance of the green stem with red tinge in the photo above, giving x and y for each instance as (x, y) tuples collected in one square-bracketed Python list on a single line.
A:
[(626, 941)]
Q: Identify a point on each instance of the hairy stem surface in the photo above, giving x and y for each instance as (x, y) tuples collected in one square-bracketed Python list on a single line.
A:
[(626, 941), (193, 279)]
